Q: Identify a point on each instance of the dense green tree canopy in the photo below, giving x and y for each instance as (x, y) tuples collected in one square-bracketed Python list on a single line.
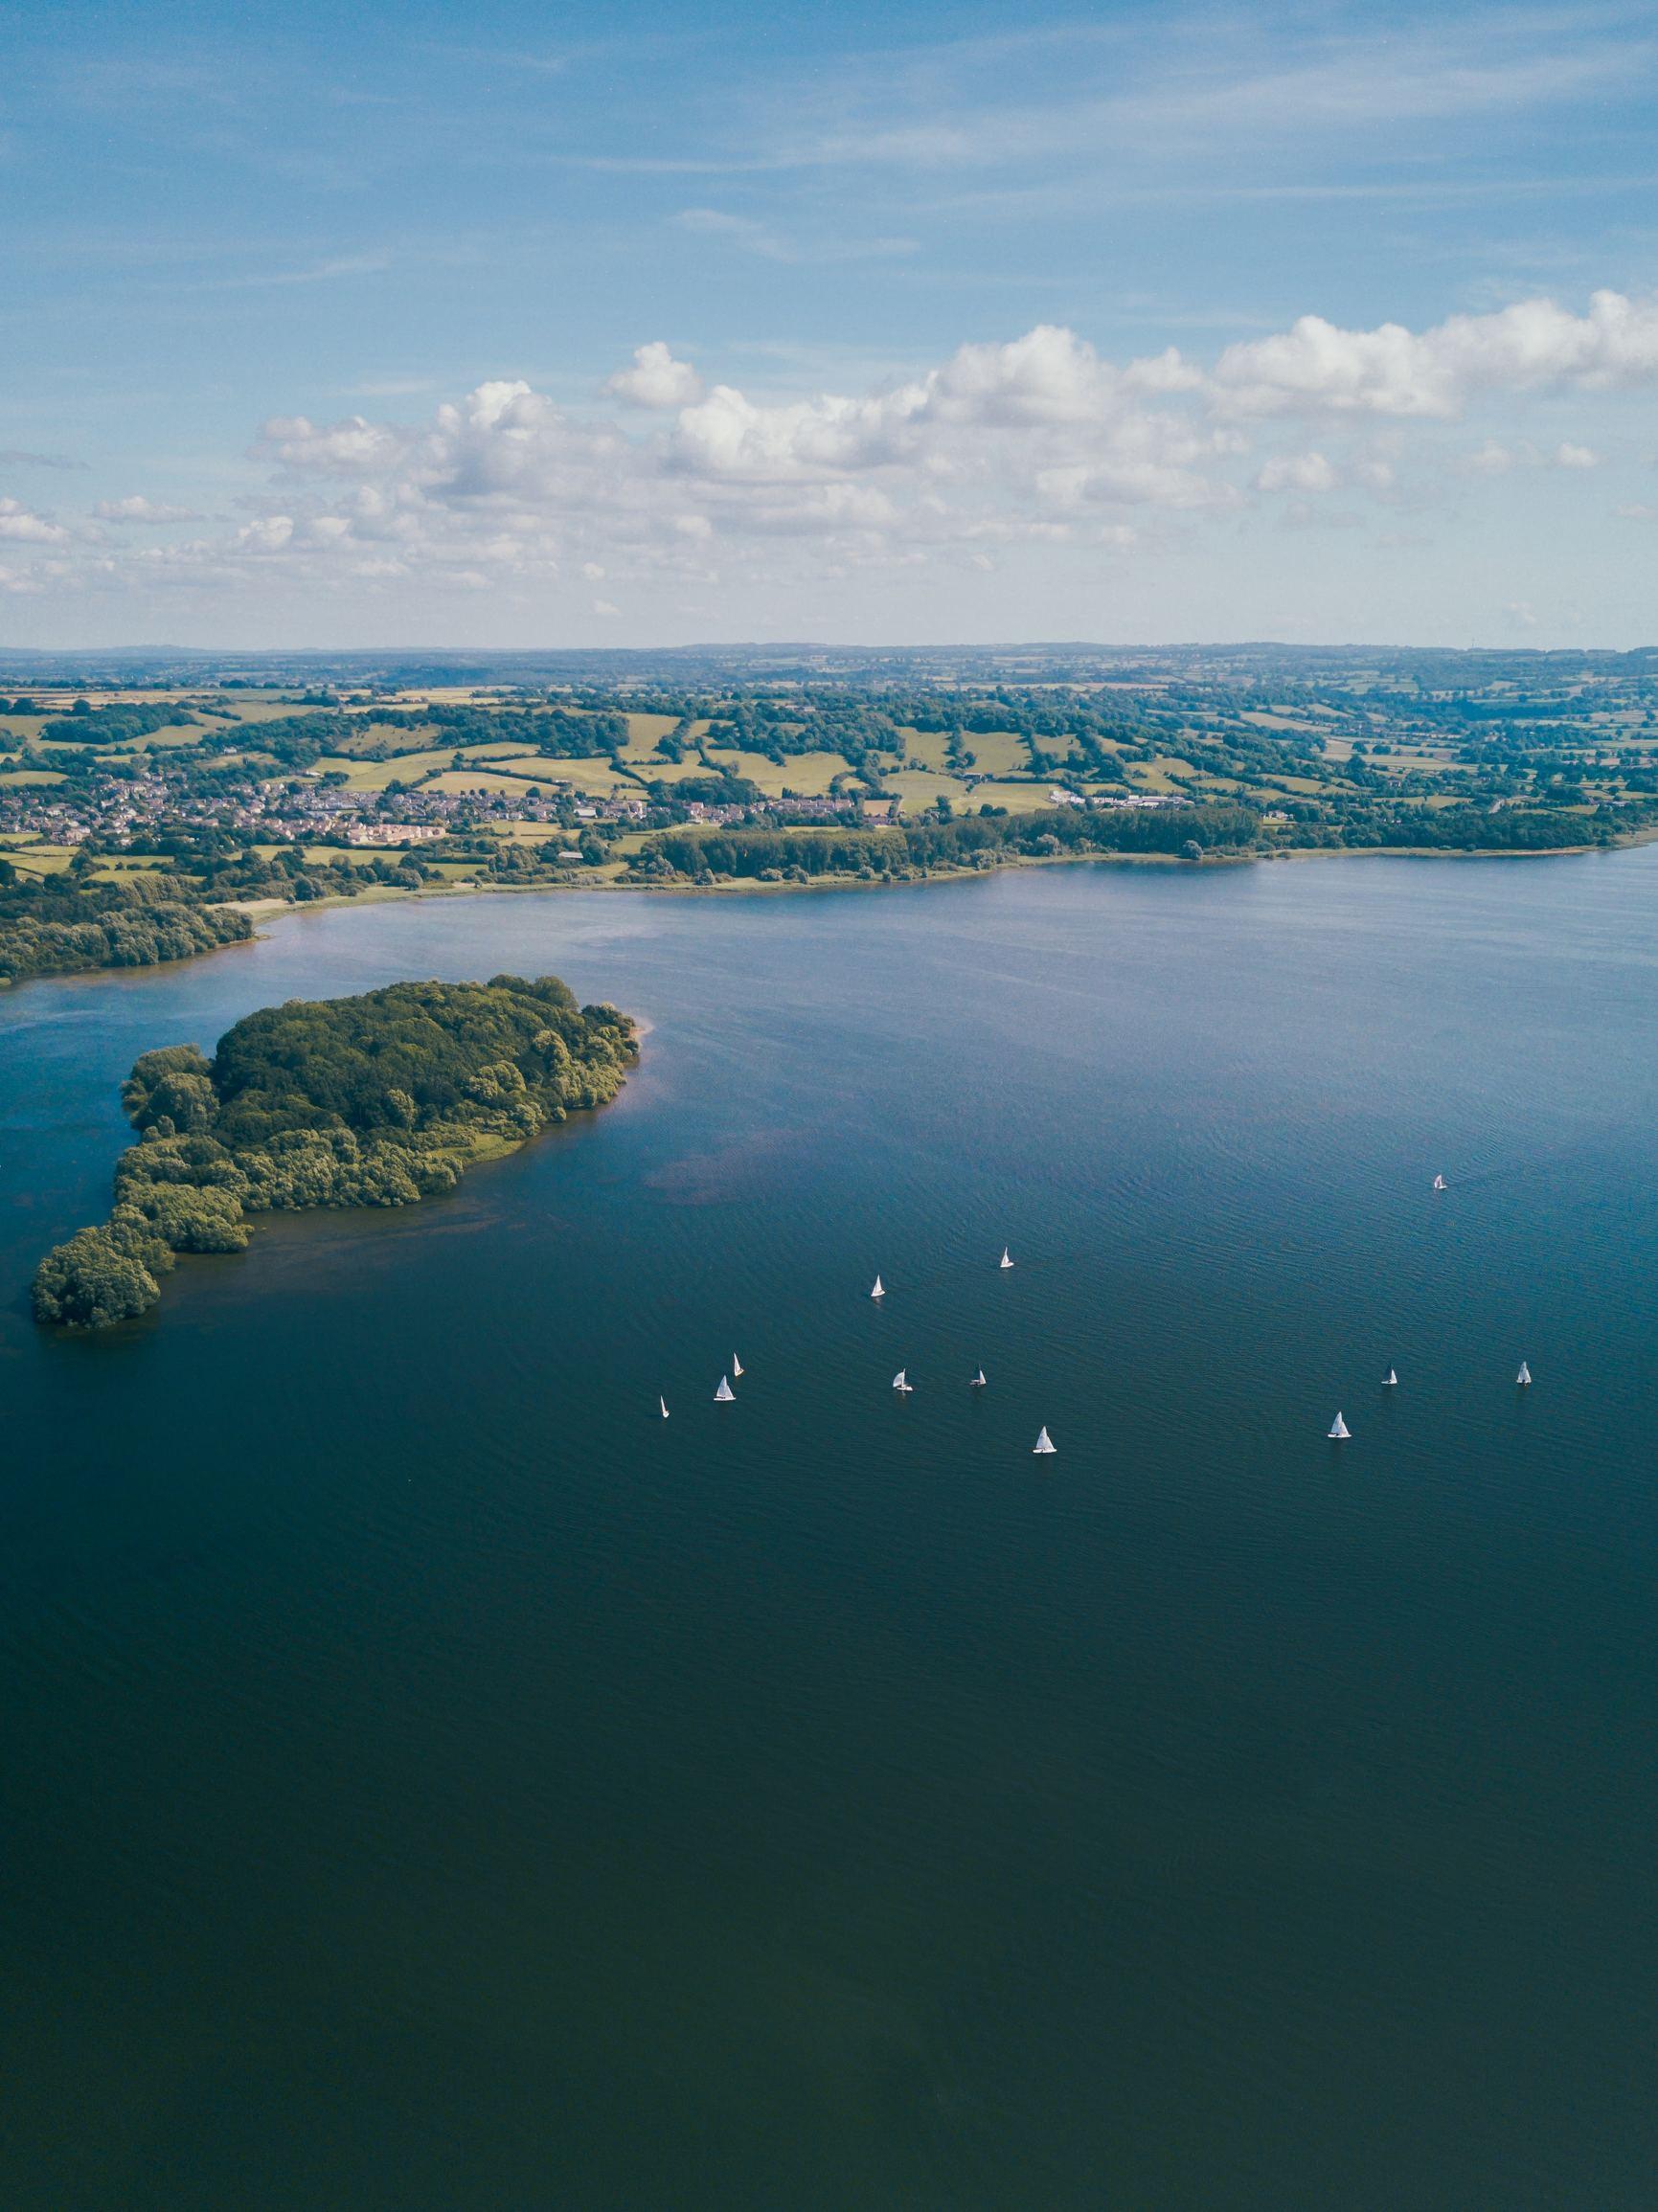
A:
[(377, 1100), (55, 927)]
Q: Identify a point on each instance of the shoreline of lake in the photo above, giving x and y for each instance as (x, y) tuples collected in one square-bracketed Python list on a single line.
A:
[(260, 910)]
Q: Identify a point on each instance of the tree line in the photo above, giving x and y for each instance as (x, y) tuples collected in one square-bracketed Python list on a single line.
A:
[(58, 925)]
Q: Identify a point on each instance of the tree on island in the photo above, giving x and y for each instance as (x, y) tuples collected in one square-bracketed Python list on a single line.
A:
[(377, 1100)]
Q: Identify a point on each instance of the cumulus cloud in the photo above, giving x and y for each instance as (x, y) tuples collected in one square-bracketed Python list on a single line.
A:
[(1297, 472), (656, 380), (1495, 460), (1037, 438), (1489, 460), (20, 526), (1316, 367), (138, 508)]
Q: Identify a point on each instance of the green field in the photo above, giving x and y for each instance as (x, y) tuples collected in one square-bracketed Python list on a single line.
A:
[(415, 767), (645, 731), (919, 787), (810, 773), (39, 859), (463, 780), (1016, 797), (998, 753), (592, 777), (376, 736)]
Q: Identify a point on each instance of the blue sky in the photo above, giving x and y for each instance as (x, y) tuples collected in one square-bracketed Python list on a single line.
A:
[(513, 326)]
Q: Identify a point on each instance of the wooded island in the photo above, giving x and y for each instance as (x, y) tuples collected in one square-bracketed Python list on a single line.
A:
[(377, 1100)]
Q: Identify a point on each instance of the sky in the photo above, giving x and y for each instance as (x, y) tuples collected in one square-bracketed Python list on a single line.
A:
[(643, 325)]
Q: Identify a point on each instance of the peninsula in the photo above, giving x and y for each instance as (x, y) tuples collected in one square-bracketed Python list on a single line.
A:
[(377, 1100)]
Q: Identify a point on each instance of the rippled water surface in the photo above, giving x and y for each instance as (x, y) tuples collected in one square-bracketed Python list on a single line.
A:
[(432, 1783)]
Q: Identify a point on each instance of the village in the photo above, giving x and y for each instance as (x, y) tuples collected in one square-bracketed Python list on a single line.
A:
[(160, 796)]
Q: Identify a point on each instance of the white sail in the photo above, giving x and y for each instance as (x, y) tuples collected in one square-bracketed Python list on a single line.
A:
[(1044, 1443), (663, 1403), (878, 1292), (1524, 1377), (1438, 1183), (1338, 1430), (736, 1364), (1390, 1380), (978, 1381), (724, 1396), (1007, 1259), (900, 1383)]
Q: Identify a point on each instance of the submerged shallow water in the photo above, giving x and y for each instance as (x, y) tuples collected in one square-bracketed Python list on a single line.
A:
[(433, 1781)]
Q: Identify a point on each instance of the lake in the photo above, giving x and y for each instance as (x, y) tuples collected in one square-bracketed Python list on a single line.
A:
[(434, 1783)]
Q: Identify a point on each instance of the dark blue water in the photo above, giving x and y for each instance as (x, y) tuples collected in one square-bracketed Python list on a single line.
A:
[(433, 1783)]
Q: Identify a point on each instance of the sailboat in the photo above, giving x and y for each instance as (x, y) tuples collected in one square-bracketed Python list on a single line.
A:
[(1339, 1430), (725, 1394), (1522, 1380), (1390, 1381), (736, 1364), (899, 1384), (1438, 1183), (978, 1381), (1044, 1443), (663, 1403), (1007, 1259), (880, 1290)]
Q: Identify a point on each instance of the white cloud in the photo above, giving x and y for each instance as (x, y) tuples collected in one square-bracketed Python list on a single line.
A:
[(656, 380), (606, 609), (1316, 367), (138, 508), (20, 526), (270, 534), (1494, 459), (354, 444), (1297, 472), (1491, 459), (1037, 439)]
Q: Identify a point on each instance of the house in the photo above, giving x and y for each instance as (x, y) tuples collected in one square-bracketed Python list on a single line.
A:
[(391, 832)]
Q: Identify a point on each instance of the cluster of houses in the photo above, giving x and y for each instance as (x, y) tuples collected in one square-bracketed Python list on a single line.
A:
[(1134, 798), (315, 805)]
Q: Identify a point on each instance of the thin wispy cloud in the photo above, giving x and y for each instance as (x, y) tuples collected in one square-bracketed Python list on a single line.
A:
[(16, 456), (337, 269), (749, 236), (1166, 99)]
